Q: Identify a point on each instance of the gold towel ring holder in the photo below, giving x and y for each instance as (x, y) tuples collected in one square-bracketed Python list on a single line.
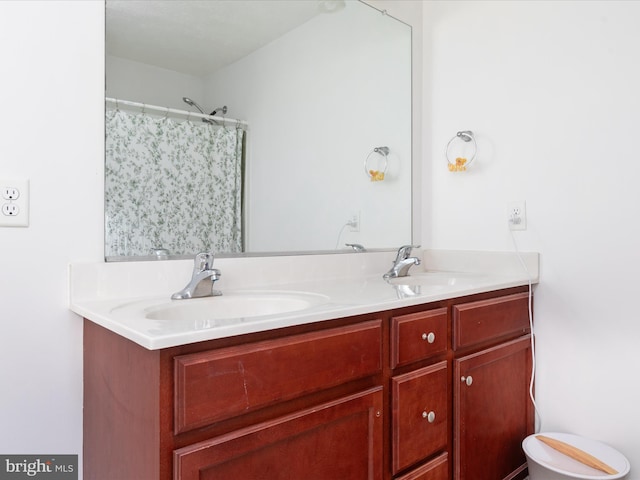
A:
[(461, 163), (377, 174)]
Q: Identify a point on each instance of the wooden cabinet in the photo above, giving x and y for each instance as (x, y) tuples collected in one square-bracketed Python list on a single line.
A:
[(378, 396), (221, 383), (286, 404), (492, 409), (419, 397), (492, 414), (436, 469), (418, 336), (339, 439), (419, 418)]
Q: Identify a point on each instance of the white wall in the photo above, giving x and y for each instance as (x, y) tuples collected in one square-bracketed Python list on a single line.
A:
[(551, 91), (51, 94)]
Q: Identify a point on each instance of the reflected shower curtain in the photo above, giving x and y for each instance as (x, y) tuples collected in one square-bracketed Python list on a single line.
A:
[(170, 184)]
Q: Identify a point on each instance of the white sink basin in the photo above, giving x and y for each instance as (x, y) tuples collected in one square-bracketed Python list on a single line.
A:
[(233, 305)]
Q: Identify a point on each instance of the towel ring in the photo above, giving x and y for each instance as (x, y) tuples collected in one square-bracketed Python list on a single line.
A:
[(461, 163), (377, 174)]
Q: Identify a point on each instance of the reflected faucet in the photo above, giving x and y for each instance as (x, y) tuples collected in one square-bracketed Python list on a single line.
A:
[(403, 262), (356, 247), (202, 279), (160, 253)]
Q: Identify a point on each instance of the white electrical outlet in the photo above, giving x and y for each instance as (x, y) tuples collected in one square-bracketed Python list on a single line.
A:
[(354, 222), (14, 203), (517, 215)]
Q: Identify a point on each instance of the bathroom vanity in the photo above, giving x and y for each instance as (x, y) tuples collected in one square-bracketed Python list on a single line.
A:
[(429, 386)]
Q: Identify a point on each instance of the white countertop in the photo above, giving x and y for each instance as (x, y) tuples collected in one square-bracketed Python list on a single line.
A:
[(114, 295)]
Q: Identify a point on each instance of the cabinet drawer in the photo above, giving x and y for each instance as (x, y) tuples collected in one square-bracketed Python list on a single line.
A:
[(436, 469), (417, 336), (493, 319), (218, 384), (419, 417)]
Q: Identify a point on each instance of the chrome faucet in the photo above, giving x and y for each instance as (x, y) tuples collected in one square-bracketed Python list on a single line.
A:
[(202, 279), (403, 262), (356, 247)]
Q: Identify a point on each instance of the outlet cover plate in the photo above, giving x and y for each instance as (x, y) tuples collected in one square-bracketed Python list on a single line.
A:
[(14, 202), (517, 215)]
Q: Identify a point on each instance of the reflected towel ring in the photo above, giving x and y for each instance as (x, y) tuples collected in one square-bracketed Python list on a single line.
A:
[(376, 174), (461, 162)]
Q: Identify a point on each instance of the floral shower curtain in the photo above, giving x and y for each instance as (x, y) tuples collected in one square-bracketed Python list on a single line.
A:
[(171, 184)]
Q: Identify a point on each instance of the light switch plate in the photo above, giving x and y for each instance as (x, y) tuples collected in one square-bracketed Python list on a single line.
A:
[(14, 202)]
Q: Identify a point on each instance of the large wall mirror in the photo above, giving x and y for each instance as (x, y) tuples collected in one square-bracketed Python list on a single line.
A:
[(308, 148)]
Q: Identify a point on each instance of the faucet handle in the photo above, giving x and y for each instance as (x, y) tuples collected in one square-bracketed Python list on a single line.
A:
[(202, 262), (404, 251)]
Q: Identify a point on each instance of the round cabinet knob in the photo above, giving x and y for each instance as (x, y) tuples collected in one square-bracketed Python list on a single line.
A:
[(431, 416), (378, 414), (468, 380), (429, 337)]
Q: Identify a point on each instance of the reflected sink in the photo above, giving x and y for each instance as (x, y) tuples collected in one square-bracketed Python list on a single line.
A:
[(438, 279), (232, 305)]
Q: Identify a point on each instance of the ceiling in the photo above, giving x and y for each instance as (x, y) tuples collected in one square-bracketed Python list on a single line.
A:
[(201, 36)]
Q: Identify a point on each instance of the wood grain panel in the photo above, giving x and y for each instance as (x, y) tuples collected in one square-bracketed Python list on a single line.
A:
[(337, 440), (492, 413), (219, 384), (413, 395), (483, 321), (436, 469), (410, 333)]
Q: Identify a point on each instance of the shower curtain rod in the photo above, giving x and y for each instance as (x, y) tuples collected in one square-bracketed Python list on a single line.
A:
[(166, 111)]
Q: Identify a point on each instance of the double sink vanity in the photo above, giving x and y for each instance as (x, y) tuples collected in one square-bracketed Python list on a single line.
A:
[(309, 367)]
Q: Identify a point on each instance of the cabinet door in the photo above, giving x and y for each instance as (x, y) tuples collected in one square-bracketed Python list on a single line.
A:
[(340, 439), (436, 469), (492, 411), (419, 418)]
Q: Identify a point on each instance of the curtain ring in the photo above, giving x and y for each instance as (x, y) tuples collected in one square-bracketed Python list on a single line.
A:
[(377, 175), (461, 163)]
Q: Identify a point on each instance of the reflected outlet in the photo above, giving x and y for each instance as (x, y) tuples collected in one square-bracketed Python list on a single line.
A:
[(354, 222)]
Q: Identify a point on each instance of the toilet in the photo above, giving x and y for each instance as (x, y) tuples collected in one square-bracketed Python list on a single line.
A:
[(546, 463)]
